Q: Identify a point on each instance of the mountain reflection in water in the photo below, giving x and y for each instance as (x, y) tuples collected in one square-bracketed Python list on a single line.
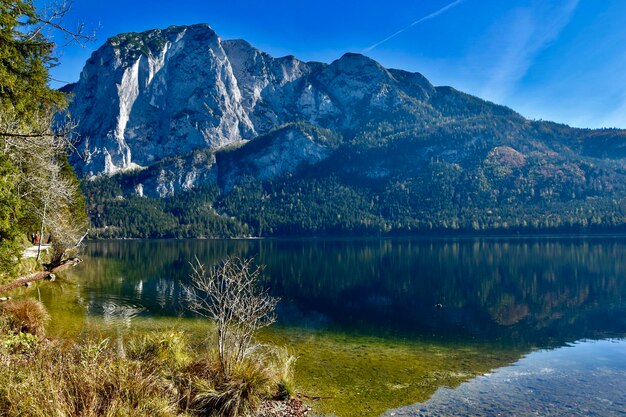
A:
[(377, 324), (539, 292)]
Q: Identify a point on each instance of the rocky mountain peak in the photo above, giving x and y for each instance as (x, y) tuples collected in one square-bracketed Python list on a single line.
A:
[(286, 146), (357, 72), (147, 96)]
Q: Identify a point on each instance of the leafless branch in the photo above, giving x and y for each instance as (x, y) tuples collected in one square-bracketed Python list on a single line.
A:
[(39, 180), (228, 293), (53, 18)]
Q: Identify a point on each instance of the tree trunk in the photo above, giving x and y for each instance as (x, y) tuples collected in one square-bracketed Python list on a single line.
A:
[(24, 281), (43, 219), (38, 276), (64, 264)]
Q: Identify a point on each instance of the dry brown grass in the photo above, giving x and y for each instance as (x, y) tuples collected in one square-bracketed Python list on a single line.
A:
[(26, 316), (154, 375), (87, 381)]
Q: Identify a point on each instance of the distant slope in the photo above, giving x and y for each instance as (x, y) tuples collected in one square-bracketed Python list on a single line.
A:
[(184, 134)]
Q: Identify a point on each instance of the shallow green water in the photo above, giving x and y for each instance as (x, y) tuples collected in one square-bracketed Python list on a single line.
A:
[(583, 379), (376, 324)]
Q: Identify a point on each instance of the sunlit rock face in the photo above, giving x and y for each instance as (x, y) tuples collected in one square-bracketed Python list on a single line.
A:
[(145, 97), (280, 152), (188, 109)]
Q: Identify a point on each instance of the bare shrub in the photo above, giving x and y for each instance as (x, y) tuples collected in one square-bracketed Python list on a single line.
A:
[(230, 295)]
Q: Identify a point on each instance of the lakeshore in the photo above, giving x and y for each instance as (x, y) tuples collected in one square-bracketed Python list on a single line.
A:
[(361, 315)]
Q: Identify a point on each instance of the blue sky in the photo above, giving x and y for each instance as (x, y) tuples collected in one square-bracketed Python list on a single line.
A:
[(561, 60)]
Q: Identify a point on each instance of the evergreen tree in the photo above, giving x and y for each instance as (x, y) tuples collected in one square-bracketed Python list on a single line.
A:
[(38, 189)]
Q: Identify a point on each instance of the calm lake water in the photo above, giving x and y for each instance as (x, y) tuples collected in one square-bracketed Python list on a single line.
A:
[(381, 324)]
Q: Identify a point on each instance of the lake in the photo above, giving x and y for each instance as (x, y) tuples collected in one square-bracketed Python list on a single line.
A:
[(401, 327)]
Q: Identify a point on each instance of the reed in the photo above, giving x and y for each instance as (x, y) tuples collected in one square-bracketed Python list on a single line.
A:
[(156, 374)]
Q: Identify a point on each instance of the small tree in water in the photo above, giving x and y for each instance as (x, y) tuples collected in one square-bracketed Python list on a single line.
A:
[(229, 293)]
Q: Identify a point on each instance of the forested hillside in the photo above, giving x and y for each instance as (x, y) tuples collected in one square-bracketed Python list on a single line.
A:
[(385, 188), (256, 145)]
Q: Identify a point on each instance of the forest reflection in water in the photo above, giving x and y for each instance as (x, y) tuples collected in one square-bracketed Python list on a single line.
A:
[(377, 323), (537, 292)]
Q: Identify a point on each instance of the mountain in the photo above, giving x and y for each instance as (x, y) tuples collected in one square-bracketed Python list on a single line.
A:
[(185, 134)]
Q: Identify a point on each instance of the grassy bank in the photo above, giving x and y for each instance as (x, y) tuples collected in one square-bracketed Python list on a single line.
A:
[(342, 375), (156, 374), (353, 375), (22, 268)]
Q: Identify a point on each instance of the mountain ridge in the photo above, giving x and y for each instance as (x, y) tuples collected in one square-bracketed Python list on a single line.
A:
[(410, 156)]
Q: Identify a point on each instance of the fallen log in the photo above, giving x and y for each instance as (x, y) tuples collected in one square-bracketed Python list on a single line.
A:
[(26, 281), (38, 276), (66, 263)]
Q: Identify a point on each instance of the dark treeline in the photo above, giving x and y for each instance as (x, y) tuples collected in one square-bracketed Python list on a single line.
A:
[(38, 189)]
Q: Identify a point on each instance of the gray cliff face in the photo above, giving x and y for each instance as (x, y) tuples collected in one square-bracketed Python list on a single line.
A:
[(149, 101), (261, 80), (141, 98), (280, 152), (173, 175), (146, 97)]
